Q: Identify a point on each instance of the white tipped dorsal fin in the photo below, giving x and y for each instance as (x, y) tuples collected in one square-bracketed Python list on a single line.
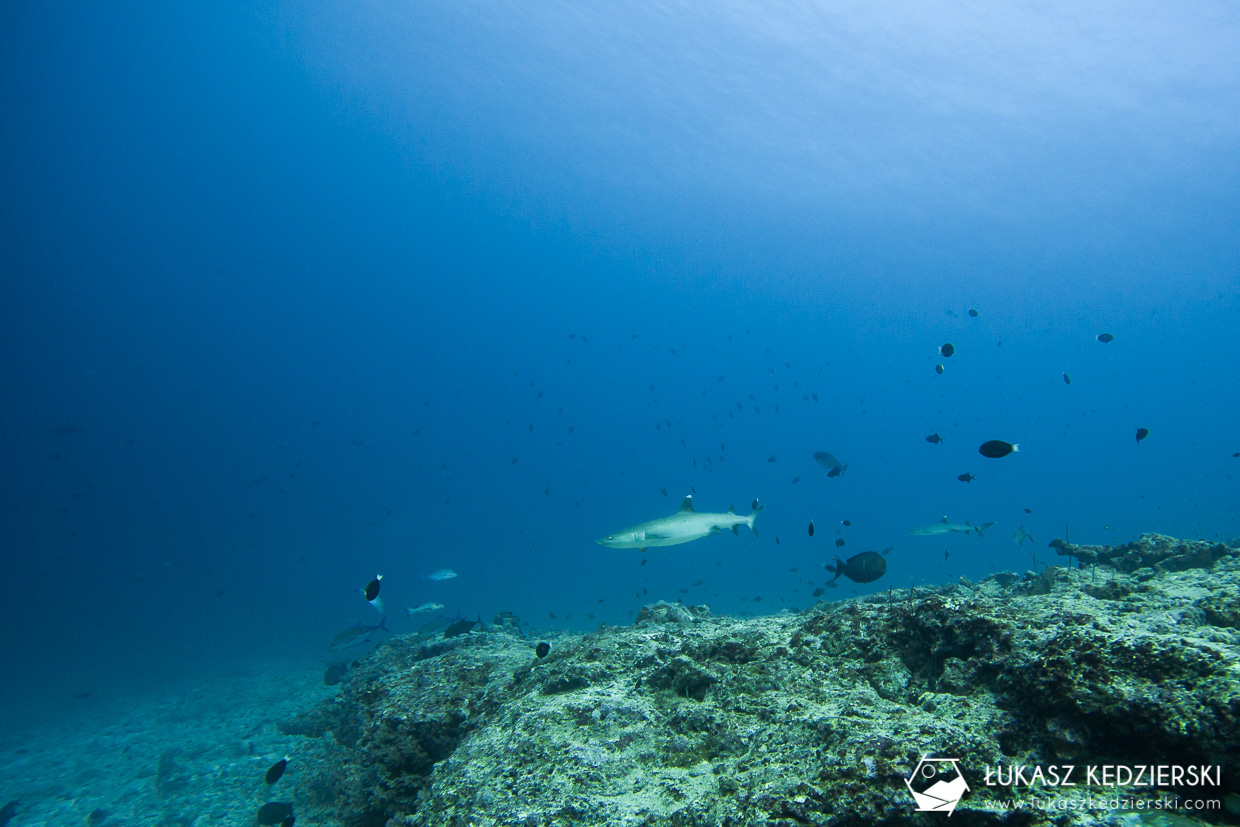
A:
[(944, 519), (731, 509), (687, 503)]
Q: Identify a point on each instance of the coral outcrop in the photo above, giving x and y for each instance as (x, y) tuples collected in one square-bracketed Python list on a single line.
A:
[(815, 718)]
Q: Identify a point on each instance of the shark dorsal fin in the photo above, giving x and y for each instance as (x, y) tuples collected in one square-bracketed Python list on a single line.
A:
[(944, 519), (731, 510), (687, 504)]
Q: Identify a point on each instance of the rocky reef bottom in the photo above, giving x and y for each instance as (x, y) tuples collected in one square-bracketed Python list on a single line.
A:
[(1105, 691)]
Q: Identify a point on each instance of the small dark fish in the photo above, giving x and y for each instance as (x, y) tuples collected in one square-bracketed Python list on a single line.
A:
[(818, 591), (945, 554), (865, 567), (1142, 433), (277, 770), (1105, 337), (372, 588), (996, 448), (811, 528), (1067, 380), (776, 541), (1028, 510), (846, 522), (837, 470), (795, 480), (1237, 454), (663, 491), (542, 649), (334, 674), (461, 627), (839, 542), (934, 439), (274, 812), (947, 350), (938, 369), (643, 561), (771, 458), (973, 312), (966, 477)]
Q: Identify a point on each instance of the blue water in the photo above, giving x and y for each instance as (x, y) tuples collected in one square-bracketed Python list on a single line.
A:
[(295, 294)]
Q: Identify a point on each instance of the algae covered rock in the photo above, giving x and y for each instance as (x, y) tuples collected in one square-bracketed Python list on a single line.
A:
[(816, 718)]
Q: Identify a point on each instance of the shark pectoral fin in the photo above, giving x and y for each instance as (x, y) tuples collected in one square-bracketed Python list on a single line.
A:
[(736, 529)]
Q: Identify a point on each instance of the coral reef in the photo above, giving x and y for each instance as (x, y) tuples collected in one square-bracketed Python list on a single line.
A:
[(803, 719)]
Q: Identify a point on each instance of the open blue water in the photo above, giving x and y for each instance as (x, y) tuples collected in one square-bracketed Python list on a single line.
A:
[(292, 294)]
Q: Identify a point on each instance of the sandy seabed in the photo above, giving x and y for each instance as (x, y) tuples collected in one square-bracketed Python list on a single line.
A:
[(188, 753)]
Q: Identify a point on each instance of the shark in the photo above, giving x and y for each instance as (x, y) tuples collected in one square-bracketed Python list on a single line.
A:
[(944, 527), (684, 526)]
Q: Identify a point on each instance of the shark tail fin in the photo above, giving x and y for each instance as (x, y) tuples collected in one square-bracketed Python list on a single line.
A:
[(753, 515)]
